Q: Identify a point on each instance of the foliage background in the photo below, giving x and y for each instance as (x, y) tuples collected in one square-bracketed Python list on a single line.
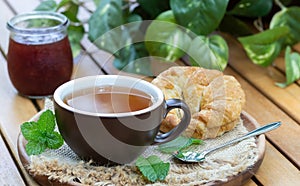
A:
[(190, 28)]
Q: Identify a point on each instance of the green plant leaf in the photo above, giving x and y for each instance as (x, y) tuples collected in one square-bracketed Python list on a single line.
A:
[(209, 52), (137, 66), (292, 67), (46, 121), (107, 16), (30, 130), (54, 140), (40, 135), (154, 7), (264, 47), (64, 4), (75, 34), (252, 8), (165, 39), (48, 5), (71, 10), (35, 147), (234, 26), (289, 17), (177, 144), (97, 2), (153, 168), (201, 17)]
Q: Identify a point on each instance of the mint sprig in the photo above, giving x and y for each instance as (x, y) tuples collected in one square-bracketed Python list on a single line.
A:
[(40, 134), (153, 168), (178, 144)]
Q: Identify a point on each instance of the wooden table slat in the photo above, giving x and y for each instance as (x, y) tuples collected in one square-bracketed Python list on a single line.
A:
[(287, 98), (9, 170), (24, 6), (264, 111), (276, 170), (5, 15)]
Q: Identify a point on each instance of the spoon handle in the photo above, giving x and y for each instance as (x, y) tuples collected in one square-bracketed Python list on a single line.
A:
[(255, 132)]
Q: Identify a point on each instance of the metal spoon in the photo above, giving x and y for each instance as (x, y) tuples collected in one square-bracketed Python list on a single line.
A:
[(194, 157)]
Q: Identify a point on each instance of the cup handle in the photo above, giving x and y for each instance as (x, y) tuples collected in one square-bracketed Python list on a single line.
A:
[(183, 124)]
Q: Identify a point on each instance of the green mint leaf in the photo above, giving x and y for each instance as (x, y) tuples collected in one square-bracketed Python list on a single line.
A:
[(30, 130), (292, 67), (54, 140), (177, 144), (46, 121), (153, 168), (40, 135), (35, 147)]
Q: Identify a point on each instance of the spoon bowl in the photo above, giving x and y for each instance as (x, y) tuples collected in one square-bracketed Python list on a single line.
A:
[(195, 157)]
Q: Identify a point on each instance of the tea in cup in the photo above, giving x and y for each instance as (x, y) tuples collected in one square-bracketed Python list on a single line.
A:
[(112, 119)]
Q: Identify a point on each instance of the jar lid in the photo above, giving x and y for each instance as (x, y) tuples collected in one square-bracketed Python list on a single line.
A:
[(38, 22)]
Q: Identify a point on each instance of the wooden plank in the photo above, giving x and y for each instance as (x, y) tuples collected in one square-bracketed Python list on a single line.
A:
[(276, 170), (85, 66), (287, 99), (9, 171), (5, 15), (250, 183), (15, 111), (264, 111), (24, 6)]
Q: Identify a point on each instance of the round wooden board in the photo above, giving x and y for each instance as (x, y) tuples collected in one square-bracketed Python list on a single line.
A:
[(249, 122)]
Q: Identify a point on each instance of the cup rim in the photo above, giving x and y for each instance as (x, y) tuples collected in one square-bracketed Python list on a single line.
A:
[(58, 96)]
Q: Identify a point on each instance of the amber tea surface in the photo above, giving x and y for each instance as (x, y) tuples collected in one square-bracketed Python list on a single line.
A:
[(109, 99)]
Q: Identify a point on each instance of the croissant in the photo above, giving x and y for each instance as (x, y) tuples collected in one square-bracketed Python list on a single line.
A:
[(214, 99)]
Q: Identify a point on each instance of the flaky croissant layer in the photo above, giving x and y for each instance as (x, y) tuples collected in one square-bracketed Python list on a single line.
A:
[(215, 100)]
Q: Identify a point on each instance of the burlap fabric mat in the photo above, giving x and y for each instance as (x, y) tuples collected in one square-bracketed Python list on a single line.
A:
[(64, 165)]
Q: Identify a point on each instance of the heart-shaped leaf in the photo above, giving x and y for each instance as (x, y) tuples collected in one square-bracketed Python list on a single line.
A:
[(48, 5), (292, 67), (252, 8), (209, 52), (154, 7), (164, 38), (201, 17), (107, 16), (234, 26), (153, 168), (264, 47), (289, 17)]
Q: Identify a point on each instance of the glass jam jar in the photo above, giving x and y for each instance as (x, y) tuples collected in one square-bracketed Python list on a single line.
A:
[(39, 56)]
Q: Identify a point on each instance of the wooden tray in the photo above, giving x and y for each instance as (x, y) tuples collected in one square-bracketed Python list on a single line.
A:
[(249, 122)]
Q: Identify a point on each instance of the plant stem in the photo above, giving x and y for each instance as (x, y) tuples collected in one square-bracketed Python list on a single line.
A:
[(258, 24), (278, 3)]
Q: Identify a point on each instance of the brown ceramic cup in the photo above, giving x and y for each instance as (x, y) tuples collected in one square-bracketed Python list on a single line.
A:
[(115, 138)]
